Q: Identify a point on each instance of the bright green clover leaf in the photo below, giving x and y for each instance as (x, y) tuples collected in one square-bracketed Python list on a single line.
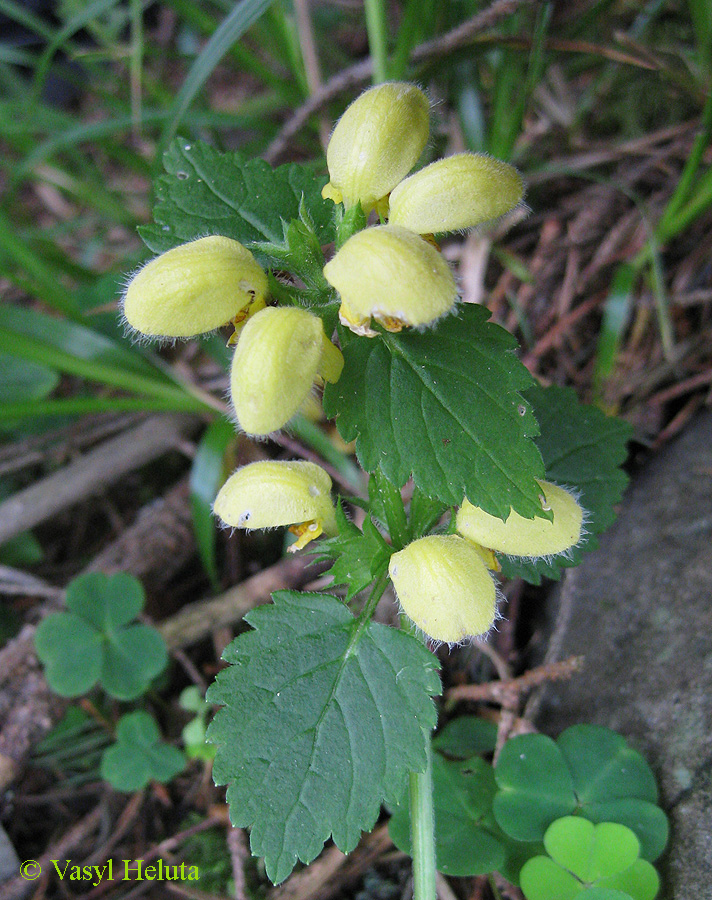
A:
[(95, 640), (324, 716), (585, 859), (588, 770), (139, 755), (192, 700)]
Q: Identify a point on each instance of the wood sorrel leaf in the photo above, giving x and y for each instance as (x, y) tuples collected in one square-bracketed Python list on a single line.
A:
[(323, 718), (443, 405)]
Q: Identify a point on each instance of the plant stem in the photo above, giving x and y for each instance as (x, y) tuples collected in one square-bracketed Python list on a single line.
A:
[(422, 827)]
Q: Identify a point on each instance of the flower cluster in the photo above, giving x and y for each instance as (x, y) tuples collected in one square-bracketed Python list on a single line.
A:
[(394, 273)]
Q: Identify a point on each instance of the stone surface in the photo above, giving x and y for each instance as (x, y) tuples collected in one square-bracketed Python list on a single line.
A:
[(640, 610)]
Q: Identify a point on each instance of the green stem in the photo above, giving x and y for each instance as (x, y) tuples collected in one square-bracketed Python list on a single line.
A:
[(422, 827), (377, 31)]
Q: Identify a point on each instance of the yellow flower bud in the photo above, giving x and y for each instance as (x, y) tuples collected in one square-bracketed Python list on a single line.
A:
[(376, 142), (526, 537), (279, 353), (194, 288), (444, 587), (392, 274), (457, 192), (269, 494)]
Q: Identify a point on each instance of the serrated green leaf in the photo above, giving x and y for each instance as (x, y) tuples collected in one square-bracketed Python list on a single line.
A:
[(324, 715), (358, 555), (443, 405), (207, 192), (583, 449), (467, 839), (139, 755)]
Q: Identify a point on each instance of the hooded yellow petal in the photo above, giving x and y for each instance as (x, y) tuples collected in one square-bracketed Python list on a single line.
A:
[(526, 537), (444, 587), (457, 192), (194, 288)]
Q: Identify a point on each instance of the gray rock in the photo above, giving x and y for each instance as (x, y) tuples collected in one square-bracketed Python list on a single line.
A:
[(640, 610)]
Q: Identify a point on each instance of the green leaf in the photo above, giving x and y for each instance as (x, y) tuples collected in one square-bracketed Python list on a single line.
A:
[(535, 786), (208, 192), (443, 405), (139, 756), (585, 859), (590, 771), (467, 838), (324, 717), (124, 658), (21, 380), (465, 737), (207, 474), (359, 555), (614, 783), (582, 449)]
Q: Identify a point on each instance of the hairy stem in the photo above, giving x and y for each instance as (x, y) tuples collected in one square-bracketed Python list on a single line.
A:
[(422, 827)]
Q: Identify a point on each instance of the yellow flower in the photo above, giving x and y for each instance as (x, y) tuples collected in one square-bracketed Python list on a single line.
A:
[(444, 587), (392, 274), (376, 142), (195, 288), (457, 192), (526, 537), (279, 354), (269, 494)]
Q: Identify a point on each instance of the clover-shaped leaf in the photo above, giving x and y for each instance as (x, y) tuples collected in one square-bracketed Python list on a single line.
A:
[(139, 755), (588, 770), (595, 862), (95, 640), (192, 700)]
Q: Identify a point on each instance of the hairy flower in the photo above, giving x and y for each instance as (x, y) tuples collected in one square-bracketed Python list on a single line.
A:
[(392, 275), (444, 587), (269, 494), (195, 288), (526, 537), (457, 192), (376, 142), (279, 354)]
